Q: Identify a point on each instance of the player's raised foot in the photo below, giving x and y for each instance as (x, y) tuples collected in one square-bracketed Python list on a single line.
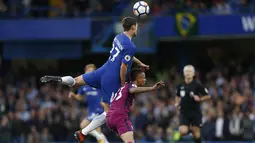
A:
[(79, 136), (48, 78)]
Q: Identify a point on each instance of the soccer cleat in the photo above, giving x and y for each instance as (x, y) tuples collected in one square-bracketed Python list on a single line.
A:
[(48, 78), (79, 136)]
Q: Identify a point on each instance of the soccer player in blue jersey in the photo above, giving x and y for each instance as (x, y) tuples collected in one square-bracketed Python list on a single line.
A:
[(111, 76), (93, 99)]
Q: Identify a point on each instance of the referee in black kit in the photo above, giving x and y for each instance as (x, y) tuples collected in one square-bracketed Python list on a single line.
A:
[(190, 94)]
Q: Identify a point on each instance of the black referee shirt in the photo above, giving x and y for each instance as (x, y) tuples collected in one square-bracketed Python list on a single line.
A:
[(186, 92)]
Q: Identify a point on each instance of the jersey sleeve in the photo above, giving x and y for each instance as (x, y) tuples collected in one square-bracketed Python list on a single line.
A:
[(80, 91), (202, 90), (130, 86), (128, 53)]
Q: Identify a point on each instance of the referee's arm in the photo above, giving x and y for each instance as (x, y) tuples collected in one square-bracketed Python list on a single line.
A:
[(177, 97), (204, 92)]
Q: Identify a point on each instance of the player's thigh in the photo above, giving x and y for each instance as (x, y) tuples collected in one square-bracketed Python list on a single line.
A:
[(84, 123), (123, 126), (108, 88), (128, 137), (93, 78), (196, 131)]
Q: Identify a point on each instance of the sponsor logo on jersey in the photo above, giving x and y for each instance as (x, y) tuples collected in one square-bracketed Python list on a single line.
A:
[(127, 58)]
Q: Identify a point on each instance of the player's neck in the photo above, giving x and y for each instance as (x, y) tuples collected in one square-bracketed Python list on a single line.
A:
[(128, 35), (188, 80)]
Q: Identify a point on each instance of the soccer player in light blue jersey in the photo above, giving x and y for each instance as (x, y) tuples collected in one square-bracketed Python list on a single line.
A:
[(111, 76)]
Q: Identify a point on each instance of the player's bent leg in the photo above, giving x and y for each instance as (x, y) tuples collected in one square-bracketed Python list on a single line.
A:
[(95, 123), (127, 137), (65, 80), (74, 82), (196, 134), (84, 123), (98, 135), (95, 133), (183, 129)]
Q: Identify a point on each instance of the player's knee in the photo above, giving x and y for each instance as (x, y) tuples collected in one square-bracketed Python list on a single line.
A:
[(82, 125), (183, 130), (196, 134)]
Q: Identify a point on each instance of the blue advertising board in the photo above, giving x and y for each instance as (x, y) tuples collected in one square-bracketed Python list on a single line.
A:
[(45, 29), (206, 25), (82, 28)]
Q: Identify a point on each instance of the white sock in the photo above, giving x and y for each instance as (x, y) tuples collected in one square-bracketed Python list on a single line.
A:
[(105, 139), (96, 134), (95, 123), (68, 80)]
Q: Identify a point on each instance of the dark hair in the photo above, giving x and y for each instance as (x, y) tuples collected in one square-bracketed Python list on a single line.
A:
[(128, 22), (134, 73)]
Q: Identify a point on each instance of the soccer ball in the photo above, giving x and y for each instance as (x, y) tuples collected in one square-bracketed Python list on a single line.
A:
[(141, 8)]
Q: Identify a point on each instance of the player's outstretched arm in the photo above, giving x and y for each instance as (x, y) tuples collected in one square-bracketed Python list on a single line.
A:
[(141, 64), (138, 90)]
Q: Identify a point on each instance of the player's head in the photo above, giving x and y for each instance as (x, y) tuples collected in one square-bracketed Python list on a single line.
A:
[(129, 24), (189, 71), (89, 68), (138, 76)]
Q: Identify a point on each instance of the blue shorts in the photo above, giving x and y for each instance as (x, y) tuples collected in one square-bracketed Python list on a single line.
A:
[(92, 115), (104, 80)]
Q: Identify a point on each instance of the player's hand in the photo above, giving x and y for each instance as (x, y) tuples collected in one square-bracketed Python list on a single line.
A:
[(196, 98), (144, 67), (71, 95), (159, 85)]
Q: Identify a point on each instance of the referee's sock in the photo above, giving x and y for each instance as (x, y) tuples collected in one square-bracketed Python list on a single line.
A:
[(197, 140)]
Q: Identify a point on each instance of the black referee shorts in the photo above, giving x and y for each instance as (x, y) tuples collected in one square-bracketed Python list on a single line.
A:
[(192, 119)]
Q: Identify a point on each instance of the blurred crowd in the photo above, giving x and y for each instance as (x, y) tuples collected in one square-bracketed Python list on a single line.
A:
[(60, 8), (171, 7), (42, 113), (73, 8)]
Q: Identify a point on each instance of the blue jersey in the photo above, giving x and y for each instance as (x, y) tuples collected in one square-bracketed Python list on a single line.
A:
[(122, 51), (107, 77), (92, 98)]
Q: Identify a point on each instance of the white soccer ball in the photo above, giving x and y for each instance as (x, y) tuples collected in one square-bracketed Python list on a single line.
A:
[(141, 8)]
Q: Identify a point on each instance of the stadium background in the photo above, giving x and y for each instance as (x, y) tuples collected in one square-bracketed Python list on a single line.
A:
[(58, 37)]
